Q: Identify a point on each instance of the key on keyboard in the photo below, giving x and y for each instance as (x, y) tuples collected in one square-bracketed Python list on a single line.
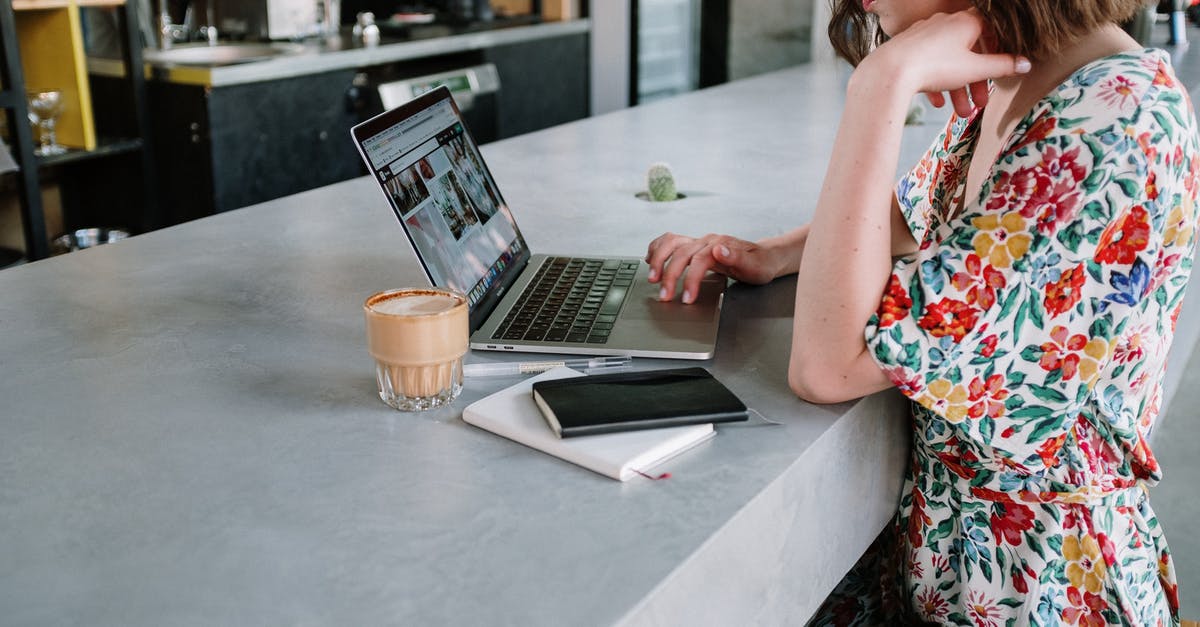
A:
[(570, 300)]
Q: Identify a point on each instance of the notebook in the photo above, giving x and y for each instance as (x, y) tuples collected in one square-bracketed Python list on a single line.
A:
[(511, 413), (629, 401), (466, 237)]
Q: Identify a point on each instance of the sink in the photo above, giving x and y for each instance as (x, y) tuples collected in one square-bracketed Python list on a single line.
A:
[(220, 54)]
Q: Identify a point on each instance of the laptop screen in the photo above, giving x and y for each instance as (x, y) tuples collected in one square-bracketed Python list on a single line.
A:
[(438, 185)]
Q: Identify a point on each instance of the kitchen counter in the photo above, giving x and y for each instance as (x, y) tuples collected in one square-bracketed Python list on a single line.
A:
[(319, 55), (191, 433)]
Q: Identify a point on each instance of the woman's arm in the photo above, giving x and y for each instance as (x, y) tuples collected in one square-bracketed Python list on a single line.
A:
[(847, 254)]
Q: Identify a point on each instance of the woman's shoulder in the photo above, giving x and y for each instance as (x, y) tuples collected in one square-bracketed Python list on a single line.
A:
[(1118, 85)]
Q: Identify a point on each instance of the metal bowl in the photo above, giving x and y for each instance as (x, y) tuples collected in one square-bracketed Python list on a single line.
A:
[(86, 238)]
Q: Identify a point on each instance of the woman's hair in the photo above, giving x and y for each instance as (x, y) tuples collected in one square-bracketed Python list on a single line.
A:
[(1033, 28)]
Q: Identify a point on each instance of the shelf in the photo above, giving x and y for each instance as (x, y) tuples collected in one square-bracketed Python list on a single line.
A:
[(41, 45), (105, 148), (51, 44)]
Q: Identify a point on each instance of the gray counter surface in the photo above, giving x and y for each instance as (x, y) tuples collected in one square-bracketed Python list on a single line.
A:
[(190, 432)]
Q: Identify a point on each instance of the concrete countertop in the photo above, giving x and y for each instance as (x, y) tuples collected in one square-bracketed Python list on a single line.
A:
[(190, 432)]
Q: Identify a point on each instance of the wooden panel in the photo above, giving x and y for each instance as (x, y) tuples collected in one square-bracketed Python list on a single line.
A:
[(557, 10), (32, 5), (51, 43), (512, 7)]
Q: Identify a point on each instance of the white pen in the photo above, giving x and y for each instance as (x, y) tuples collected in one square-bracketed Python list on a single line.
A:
[(590, 364)]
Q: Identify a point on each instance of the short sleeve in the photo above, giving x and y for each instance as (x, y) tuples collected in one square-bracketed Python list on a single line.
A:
[(926, 192), (1007, 321)]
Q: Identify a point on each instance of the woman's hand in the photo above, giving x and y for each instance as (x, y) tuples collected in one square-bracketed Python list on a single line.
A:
[(670, 255), (946, 56)]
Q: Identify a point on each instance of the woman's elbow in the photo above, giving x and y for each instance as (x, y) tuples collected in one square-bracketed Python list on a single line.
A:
[(817, 385)]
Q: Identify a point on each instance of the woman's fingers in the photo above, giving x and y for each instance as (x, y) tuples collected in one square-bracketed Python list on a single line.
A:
[(979, 93), (660, 250), (962, 102), (692, 258)]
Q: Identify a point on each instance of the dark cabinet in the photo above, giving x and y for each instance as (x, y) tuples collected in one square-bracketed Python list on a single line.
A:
[(239, 145), (543, 83), (233, 146)]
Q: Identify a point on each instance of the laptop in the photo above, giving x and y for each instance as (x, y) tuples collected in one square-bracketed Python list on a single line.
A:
[(466, 238)]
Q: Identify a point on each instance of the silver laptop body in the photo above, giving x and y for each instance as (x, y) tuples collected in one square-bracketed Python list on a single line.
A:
[(464, 234)]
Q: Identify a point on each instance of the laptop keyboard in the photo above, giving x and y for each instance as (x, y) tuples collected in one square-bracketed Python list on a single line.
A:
[(570, 300)]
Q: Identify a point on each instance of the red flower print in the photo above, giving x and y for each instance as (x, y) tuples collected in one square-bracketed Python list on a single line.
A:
[(1063, 294), (1060, 352), (941, 564), (1130, 346), (979, 282), (1048, 192), (987, 397), (1009, 520), (1107, 549), (949, 317), (1121, 241), (987, 347), (1162, 77), (1086, 609), (895, 304), (918, 519), (1018, 581), (1039, 130), (961, 465), (1024, 190), (1118, 92), (931, 605), (1048, 451), (1146, 143)]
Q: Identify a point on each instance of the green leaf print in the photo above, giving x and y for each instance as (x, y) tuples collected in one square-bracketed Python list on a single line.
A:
[(1043, 428), (1033, 411), (1036, 315), (1071, 236), (1048, 394), (1130, 187)]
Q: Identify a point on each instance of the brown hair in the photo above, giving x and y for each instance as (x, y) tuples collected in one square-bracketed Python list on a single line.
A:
[(1033, 28)]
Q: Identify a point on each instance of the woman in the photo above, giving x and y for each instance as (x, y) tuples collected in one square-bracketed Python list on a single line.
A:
[(1043, 245)]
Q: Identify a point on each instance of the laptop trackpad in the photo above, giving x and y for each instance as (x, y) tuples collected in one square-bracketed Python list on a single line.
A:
[(643, 304)]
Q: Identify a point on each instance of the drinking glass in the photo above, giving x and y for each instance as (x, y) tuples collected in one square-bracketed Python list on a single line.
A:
[(46, 105)]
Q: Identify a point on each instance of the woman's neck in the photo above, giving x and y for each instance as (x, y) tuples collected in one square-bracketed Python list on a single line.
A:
[(1048, 73), (1015, 96)]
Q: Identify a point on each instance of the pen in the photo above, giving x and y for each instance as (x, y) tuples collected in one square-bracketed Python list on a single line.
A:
[(591, 364)]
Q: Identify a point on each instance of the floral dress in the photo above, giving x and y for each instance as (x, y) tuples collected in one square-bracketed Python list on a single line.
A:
[(1031, 331)]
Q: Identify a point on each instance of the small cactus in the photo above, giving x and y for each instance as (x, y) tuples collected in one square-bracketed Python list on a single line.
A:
[(660, 183)]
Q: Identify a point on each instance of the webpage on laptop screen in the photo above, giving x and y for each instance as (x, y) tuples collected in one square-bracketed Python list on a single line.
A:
[(435, 179)]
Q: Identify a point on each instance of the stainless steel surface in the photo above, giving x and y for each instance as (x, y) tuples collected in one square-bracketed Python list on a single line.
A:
[(479, 79), (221, 54), (319, 56)]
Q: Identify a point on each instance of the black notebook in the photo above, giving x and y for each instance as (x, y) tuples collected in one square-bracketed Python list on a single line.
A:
[(626, 401)]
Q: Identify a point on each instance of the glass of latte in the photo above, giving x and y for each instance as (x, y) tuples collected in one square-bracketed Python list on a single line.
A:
[(418, 337)]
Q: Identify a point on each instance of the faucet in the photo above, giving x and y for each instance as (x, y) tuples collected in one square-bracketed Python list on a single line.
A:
[(170, 33)]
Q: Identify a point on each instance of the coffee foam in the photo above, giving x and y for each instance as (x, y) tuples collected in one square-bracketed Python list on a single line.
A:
[(414, 304)]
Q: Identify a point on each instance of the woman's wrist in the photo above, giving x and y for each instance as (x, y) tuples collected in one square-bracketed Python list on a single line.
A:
[(785, 251), (881, 75)]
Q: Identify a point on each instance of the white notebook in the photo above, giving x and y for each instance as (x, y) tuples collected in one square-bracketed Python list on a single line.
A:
[(512, 413)]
